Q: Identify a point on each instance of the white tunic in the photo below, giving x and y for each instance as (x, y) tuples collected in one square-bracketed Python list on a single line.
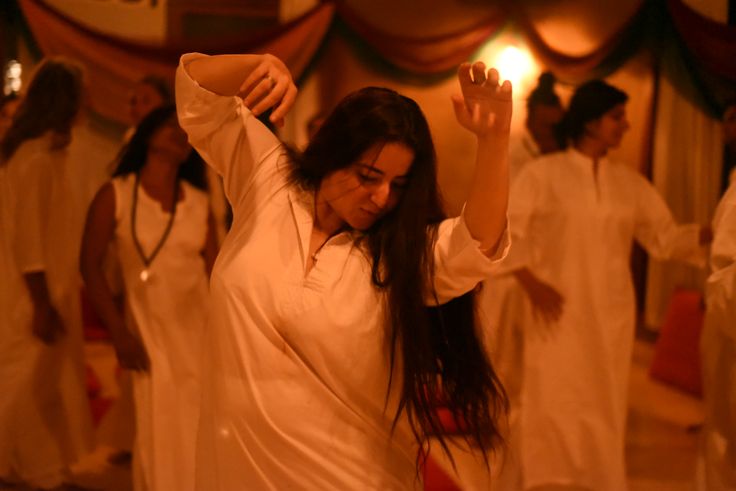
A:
[(522, 150), (297, 365), (45, 422), (574, 230), (169, 313), (718, 348)]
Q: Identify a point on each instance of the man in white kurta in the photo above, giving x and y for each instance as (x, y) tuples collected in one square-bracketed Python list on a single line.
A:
[(297, 365), (45, 422), (573, 229), (718, 348)]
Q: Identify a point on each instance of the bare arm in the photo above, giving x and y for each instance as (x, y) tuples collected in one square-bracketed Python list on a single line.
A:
[(547, 303), (263, 81), (485, 110), (98, 233)]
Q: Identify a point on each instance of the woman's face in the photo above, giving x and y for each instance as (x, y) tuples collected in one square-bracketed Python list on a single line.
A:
[(143, 100), (609, 129), (169, 142), (367, 190)]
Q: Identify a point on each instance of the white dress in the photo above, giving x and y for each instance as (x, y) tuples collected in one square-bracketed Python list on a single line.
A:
[(296, 373), (718, 348), (169, 313), (522, 150), (574, 230), (45, 422)]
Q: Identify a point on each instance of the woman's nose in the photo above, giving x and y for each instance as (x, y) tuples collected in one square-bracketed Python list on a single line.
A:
[(380, 195)]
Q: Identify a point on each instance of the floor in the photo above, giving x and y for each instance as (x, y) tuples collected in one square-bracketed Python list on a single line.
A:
[(661, 442), (662, 438)]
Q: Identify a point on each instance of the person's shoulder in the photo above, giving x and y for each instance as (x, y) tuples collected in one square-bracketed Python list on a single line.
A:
[(547, 163)]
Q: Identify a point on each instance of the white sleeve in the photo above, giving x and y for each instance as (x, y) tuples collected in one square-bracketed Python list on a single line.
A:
[(35, 179), (459, 262), (522, 201), (224, 132), (723, 249), (657, 231)]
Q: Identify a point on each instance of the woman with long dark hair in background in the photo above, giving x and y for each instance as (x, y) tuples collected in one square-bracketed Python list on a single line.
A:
[(156, 211), (45, 421)]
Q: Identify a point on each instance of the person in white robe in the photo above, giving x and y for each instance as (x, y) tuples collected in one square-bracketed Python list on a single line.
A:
[(318, 334), (541, 133), (117, 427), (501, 299), (45, 421), (574, 215), (155, 211), (718, 350)]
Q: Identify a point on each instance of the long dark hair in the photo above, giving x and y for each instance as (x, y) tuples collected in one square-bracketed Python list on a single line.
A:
[(51, 103), (590, 101), (132, 157), (441, 352)]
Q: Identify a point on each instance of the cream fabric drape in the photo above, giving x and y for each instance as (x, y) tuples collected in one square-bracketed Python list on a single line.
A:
[(687, 146)]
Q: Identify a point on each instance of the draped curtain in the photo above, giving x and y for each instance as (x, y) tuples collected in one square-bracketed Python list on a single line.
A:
[(115, 64)]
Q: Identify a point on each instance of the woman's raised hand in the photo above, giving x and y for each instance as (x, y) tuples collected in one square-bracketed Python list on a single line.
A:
[(268, 86), (485, 105)]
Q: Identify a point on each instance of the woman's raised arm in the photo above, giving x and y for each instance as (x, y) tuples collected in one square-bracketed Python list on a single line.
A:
[(262, 81), (485, 109)]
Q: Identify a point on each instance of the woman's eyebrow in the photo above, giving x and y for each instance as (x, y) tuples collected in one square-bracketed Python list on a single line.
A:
[(371, 168)]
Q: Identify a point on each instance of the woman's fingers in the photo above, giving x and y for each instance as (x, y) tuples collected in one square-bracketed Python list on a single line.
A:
[(269, 86), (479, 73), (492, 77), (463, 74)]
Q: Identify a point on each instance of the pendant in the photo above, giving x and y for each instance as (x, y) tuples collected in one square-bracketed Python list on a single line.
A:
[(145, 275)]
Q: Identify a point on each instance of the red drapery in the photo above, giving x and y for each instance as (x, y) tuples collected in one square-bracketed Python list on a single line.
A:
[(428, 55), (113, 66), (712, 45), (574, 68)]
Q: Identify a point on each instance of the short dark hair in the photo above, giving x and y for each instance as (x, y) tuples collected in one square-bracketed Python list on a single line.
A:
[(590, 101), (544, 93)]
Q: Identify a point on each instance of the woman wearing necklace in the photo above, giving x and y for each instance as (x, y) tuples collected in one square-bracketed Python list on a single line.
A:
[(326, 351), (156, 211)]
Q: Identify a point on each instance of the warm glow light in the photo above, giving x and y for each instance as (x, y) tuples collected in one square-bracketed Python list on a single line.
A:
[(12, 76), (514, 65)]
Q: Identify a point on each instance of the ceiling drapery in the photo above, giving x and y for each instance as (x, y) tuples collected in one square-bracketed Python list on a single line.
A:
[(114, 65)]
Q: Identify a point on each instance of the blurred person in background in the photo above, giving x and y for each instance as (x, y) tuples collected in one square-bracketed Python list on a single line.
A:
[(156, 212), (574, 216), (45, 421)]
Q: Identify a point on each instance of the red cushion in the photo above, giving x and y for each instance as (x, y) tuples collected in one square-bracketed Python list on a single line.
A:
[(677, 352), (436, 479), (92, 382)]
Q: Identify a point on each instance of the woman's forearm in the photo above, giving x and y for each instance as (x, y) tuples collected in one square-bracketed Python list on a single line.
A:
[(223, 74), (485, 209), (102, 300)]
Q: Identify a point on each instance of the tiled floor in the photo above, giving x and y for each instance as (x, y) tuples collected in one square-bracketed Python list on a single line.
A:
[(661, 442)]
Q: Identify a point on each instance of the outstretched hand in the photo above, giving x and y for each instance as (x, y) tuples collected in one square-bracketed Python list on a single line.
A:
[(485, 105), (269, 86)]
